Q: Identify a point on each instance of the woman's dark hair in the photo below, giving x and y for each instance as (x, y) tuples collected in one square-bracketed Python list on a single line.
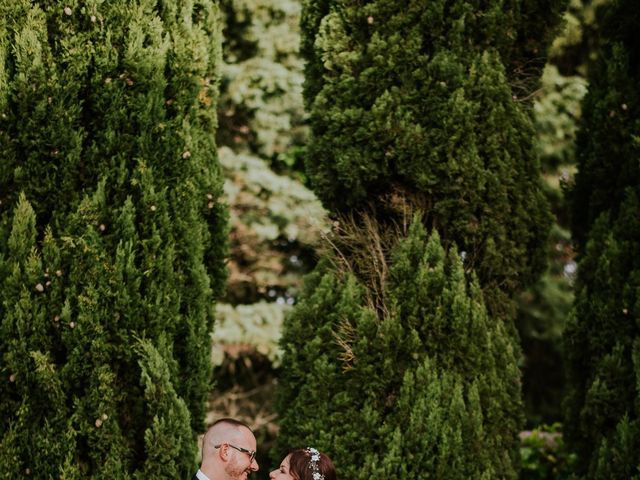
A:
[(300, 465)]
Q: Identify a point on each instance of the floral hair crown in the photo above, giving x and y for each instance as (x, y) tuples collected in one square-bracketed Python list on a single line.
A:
[(313, 463)]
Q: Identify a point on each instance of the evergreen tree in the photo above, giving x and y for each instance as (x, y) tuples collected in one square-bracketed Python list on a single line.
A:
[(112, 240), (425, 103), (606, 144), (602, 340), (400, 363), (602, 343), (404, 377)]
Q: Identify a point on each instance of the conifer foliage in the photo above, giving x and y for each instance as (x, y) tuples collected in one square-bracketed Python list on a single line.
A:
[(112, 238), (602, 339), (401, 372), (400, 359), (427, 101)]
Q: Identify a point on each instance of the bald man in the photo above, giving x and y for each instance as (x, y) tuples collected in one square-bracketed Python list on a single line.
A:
[(228, 452)]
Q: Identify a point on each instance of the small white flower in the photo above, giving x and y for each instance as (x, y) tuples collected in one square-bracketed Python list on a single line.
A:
[(313, 463)]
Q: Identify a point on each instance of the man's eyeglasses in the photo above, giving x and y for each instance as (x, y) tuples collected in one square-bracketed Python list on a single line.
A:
[(251, 453)]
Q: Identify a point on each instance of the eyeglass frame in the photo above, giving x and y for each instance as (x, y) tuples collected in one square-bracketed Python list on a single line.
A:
[(251, 453)]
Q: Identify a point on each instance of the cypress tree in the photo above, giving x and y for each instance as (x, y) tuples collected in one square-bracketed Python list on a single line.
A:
[(602, 339), (602, 344), (111, 237), (425, 103), (400, 362), (404, 377), (605, 143)]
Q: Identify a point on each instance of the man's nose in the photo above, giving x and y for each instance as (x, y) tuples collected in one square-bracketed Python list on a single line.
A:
[(256, 467)]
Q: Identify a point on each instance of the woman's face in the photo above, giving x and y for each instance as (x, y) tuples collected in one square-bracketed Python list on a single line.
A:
[(282, 473)]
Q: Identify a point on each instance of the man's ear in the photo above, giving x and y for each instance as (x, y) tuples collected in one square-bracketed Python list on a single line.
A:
[(223, 452)]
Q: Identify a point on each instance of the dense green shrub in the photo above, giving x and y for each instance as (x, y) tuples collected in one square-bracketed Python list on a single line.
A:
[(603, 348), (544, 454), (606, 143), (112, 239), (603, 336), (425, 103), (399, 362), (403, 377)]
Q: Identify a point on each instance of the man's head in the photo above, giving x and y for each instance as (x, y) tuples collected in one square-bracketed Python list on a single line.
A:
[(228, 451)]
